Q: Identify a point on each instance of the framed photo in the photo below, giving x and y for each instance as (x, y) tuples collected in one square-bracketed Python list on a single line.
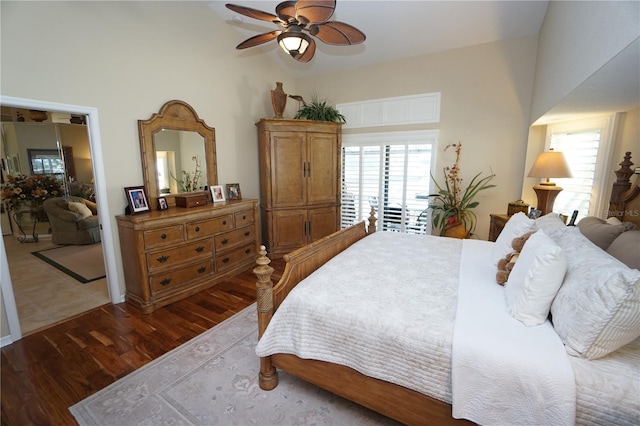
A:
[(217, 193), (138, 202), (162, 203), (534, 213), (233, 191)]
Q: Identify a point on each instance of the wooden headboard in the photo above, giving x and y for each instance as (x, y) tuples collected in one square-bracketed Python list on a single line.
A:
[(625, 196)]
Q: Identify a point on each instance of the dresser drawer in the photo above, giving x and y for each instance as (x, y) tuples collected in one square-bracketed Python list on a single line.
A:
[(244, 218), (171, 279), (209, 227), (233, 238), (236, 256), (165, 236), (179, 254)]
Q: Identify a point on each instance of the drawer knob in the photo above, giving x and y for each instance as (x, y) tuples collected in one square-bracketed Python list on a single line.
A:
[(202, 269), (163, 236), (244, 216), (200, 249), (225, 241), (197, 229), (225, 260), (163, 259), (246, 234), (247, 251), (166, 281), (224, 222)]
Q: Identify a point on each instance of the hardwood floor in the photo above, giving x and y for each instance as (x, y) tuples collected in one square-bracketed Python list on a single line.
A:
[(46, 372)]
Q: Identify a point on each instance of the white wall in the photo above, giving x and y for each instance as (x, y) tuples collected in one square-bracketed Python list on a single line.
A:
[(486, 93), (577, 38), (127, 59)]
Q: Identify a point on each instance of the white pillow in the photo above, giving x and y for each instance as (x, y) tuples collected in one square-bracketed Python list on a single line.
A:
[(517, 225), (80, 208), (549, 221), (535, 279), (597, 309)]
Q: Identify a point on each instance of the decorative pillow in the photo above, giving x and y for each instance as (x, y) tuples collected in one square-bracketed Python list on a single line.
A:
[(626, 248), (517, 225), (597, 309), (535, 279), (549, 221), (601, 233), (80, 208)]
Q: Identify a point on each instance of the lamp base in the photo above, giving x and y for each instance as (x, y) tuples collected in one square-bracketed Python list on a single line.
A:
[(546, 196)]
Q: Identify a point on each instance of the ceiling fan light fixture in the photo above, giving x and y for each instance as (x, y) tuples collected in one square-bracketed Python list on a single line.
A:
[(295, 43)]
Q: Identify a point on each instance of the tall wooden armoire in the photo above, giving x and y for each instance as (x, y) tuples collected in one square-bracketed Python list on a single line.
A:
[(299, 182)]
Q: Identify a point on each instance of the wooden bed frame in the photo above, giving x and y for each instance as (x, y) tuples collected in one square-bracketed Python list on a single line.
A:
[(394, 401)]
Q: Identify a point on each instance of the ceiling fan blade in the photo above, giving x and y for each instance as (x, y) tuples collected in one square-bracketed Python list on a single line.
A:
[(259, 39), (253, 13), (286, 11), (309, 11), (337, 33), (308, 54)]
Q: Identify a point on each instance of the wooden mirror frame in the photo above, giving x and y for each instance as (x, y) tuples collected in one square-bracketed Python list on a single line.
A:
[(174, 115)]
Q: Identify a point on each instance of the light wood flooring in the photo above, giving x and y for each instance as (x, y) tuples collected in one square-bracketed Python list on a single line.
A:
[(45, 295)]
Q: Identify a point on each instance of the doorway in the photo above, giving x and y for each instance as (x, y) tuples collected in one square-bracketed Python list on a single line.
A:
[(90, 115)]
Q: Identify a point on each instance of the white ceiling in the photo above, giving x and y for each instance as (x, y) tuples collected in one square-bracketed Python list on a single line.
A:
[(394, 29), (400, 29)]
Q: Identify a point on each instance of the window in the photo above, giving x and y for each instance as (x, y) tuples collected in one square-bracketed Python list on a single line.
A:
[(391, 173), (585, 144)]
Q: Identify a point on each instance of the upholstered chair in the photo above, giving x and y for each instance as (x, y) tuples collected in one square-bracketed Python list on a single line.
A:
[(73, 220)]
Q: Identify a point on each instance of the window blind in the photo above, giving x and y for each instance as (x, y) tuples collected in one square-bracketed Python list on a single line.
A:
[(390, 173)]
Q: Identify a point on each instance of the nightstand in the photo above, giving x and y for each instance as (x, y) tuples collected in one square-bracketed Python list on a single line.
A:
[(496, 225)]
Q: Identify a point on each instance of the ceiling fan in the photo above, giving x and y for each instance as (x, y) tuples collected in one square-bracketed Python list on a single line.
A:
[(297, 19)]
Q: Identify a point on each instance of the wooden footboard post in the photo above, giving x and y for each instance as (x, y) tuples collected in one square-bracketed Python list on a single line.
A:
[(372, 221), (268, 377)]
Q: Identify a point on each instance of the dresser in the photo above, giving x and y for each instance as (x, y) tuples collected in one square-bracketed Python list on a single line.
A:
[(299, 182), (171, 254)]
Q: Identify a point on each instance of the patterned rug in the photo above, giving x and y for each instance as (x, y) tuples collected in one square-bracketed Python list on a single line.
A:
[(85, 263), (213, 380)]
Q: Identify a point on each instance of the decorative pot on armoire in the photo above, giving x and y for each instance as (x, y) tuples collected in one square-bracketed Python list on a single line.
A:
[(300, 170)]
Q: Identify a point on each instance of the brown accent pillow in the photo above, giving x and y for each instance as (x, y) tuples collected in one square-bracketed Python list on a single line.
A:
[(626, 249), (599, 232)]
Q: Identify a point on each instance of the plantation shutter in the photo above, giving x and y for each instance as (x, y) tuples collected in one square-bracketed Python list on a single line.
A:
[(389, 172)]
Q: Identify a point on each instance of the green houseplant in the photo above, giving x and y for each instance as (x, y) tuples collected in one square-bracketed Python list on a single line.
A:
[(318, 110), (453, 205)]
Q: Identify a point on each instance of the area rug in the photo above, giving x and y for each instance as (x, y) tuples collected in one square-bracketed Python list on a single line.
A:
[(213, 380), (85, 263)]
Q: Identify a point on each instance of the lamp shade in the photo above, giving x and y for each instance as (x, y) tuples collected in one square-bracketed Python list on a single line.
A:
[(551, 164)]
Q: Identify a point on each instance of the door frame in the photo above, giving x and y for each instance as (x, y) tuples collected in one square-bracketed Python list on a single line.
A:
[(95, 145)]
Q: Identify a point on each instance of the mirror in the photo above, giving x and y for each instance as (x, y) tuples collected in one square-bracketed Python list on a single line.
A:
[(178, 152)]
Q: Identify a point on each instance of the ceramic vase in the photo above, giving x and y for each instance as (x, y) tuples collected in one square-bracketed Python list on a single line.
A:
[(278, 100)]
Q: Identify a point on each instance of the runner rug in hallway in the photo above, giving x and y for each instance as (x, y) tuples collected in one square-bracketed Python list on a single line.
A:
[(85, 263), (213, 380)]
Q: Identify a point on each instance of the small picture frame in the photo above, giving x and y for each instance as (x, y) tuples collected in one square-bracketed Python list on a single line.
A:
[(137, 199), (217, 193), (162, 203), (233, 191), (535, 213)]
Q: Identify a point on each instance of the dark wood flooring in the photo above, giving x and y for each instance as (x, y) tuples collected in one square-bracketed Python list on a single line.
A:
[(46, 372)]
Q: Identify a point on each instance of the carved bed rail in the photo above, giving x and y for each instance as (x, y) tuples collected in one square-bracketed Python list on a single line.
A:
[(624, 202)]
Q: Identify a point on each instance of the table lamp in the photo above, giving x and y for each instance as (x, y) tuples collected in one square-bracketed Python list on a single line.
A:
[(551, 164)]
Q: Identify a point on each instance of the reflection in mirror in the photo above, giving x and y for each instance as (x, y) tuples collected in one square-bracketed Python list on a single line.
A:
[(178, 152), (180, 161)]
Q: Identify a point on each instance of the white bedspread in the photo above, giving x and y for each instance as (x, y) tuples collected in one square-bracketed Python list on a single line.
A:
[(391, 318), (504, 373)]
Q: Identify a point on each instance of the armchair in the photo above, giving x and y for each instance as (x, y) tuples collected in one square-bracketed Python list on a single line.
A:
[(69, 226)]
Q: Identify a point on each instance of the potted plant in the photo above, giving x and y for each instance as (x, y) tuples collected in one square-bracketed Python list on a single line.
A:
[(318, 110), (453, 205)]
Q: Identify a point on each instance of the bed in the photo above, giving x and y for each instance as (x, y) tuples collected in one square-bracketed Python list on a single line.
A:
[(417, 384)]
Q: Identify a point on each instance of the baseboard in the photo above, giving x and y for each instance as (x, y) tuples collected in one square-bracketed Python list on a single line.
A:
[(5, 341)]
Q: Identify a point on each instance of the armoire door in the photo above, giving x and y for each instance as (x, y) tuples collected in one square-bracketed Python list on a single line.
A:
[(323, 169), (288, 169)]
